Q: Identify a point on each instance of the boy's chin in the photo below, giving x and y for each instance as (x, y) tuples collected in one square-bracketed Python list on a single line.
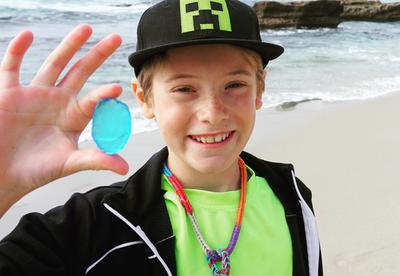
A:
[(214, 164)]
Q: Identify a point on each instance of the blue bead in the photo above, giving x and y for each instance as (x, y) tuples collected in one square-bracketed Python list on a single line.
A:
[(111, 126)]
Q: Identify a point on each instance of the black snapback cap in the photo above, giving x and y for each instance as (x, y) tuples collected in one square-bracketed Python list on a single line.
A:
[(176, 23)]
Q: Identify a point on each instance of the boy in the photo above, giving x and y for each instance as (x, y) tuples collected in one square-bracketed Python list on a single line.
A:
[(200, 74)]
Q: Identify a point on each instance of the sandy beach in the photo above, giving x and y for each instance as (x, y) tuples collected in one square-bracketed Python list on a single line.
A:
[(346, 152)]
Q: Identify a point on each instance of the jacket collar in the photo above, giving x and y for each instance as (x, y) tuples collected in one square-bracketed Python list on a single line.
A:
[(278, 176), (141, 201)]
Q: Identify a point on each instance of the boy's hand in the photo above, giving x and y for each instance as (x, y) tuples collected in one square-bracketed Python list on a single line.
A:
[(40, 123)]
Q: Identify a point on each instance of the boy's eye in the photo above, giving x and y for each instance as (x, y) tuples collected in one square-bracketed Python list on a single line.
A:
[(183, 89), (234, 85)]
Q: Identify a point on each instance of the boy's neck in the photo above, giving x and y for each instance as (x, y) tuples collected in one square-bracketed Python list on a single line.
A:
[(227, 180)]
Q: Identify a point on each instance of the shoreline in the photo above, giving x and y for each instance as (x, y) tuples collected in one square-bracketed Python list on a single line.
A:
[(346, 152), (285, 106)]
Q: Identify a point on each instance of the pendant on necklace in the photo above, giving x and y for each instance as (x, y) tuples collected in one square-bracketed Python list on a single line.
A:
[(225, 263)]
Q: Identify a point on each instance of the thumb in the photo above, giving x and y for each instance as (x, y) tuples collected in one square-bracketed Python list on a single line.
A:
[(94, 159)]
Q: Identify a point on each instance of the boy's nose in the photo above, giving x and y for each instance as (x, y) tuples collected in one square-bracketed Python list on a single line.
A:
[(212, 110)]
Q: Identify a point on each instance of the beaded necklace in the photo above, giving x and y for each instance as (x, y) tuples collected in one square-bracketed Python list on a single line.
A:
[(213, 256)]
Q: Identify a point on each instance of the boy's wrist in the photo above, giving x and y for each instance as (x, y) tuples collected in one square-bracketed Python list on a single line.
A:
[(7, 199)]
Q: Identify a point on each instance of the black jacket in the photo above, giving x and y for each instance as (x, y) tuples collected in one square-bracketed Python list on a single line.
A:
[(124, 229)]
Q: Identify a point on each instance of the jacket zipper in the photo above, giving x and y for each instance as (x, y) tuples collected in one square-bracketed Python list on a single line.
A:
[(311, 231)]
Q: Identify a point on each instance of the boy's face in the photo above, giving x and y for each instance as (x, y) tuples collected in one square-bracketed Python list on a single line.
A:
[(204, 100)]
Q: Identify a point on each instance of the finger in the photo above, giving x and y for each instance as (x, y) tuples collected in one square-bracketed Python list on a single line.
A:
[(85, 67), (11, 63), (77, 118), (59, 58), (88, 103), (94, 159)]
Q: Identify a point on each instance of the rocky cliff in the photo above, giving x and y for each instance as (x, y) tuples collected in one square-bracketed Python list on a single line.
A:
[(310, 14), (370, 11), (323, 13)]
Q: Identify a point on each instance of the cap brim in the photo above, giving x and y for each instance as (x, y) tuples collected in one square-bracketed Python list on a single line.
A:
[(267, 51)]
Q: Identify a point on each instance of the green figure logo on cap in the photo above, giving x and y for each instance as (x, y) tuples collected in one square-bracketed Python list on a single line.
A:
[(204, 15)]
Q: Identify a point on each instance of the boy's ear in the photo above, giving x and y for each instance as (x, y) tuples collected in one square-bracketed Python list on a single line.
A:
[(259, 102), (146, 106)]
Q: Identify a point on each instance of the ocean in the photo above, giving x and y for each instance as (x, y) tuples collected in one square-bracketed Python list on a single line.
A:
[(356, 61)]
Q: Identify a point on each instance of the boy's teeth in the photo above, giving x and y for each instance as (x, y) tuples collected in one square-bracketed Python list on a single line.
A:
[(211, 139)]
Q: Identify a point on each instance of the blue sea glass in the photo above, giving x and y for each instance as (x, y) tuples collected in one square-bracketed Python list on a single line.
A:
[(111, 126)]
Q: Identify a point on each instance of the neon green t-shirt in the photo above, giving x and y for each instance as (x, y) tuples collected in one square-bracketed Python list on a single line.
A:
[(264, 246)]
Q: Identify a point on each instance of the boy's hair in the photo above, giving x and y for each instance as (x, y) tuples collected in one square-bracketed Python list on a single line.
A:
[(145, 77)]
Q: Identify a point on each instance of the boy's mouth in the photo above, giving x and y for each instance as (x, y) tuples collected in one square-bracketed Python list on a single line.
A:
[(211, 139)]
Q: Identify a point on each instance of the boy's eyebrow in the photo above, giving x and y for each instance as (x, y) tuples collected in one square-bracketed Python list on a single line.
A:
[(188, 76), (180, 76), (240, 72)]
